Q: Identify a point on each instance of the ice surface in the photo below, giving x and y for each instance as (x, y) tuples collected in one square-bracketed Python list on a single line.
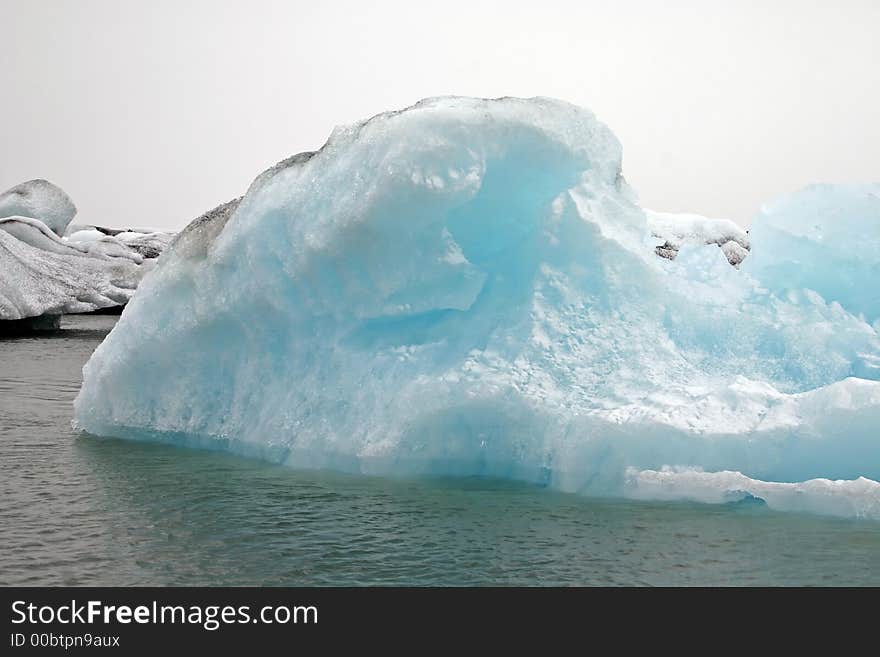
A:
[(85, 235), (675, 230), (39, 199), (127, 243), (824, 238), (87, 269), (468, 287), (39, 276), (148, 245), (859, 498), (38, 235)]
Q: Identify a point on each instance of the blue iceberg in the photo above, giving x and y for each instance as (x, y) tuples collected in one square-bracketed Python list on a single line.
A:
[(470, 287), (825, 238)]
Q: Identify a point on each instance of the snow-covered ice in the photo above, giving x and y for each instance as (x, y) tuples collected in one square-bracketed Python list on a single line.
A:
[(469, 287)]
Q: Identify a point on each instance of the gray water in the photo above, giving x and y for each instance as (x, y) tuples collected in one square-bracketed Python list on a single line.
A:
[(81, 510)]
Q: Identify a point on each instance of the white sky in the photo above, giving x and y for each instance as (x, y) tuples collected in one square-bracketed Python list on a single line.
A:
[(151, 112)]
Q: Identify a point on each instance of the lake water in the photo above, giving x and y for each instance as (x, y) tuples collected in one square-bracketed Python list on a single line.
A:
[(81, 510)]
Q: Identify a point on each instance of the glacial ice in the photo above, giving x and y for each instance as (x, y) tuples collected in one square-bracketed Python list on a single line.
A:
[(39, 199), (124, 244), (87, 269), (42, 277), (469, 287), (857, 498), (824, 238), (675, 230), (148, 245)]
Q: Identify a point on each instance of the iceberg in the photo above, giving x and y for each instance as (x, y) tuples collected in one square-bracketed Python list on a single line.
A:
[(44, 275), (40, 274), (39, 199), (469, 287)]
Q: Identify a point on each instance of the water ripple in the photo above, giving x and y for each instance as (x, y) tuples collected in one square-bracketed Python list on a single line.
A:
[(79, 510)]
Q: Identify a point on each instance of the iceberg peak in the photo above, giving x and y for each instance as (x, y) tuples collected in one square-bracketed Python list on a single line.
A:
[(39, 199)]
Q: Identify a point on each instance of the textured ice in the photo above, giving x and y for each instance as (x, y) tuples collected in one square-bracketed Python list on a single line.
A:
[(136, 246), (859, 498), (147, 244), (89, 268), (469, 287), (42, 275), (675, 230), (39, 199), (825, 238)]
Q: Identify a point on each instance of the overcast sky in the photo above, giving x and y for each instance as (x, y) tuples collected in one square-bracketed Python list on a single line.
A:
[(149, 113)]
